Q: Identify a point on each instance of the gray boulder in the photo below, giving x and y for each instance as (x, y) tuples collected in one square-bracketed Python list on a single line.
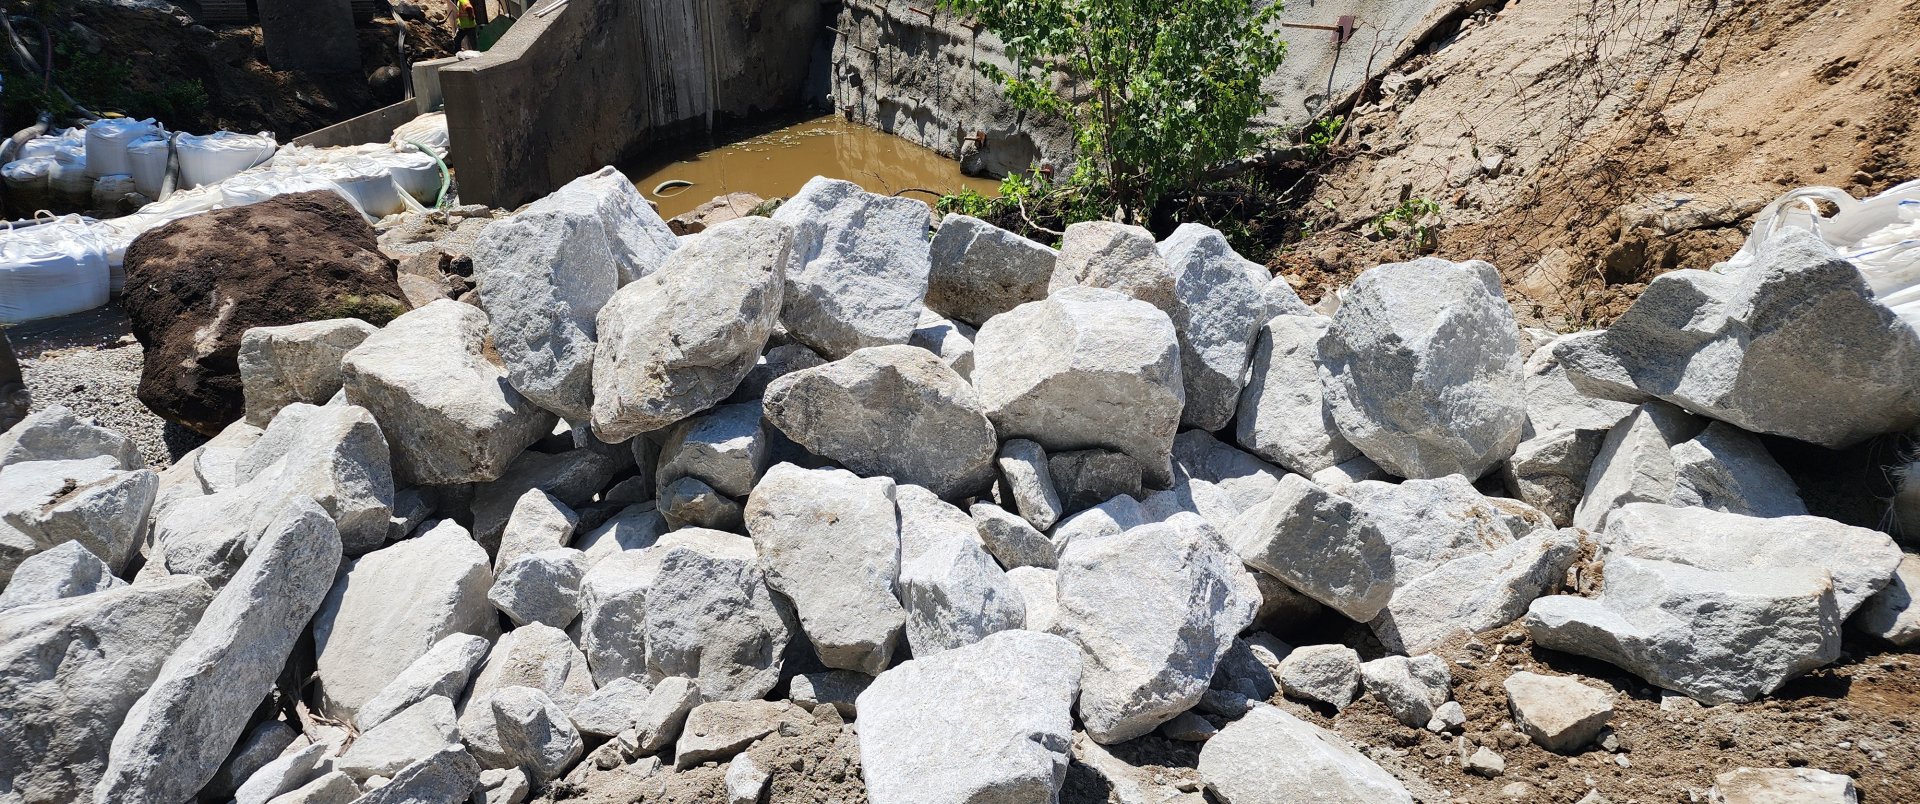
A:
[(295, 363), (690, 503), (1115, 256), (979, 270), (392, 606), (54, 433), (1282, 414), (447, 411), (1550, 472), (1110, 518), (635, 527), (1146, 664), (1087, 477), (1412, 688), (953, 592), (1328, 674), (613, 607), (1004, 706), (410, 735), (70, 670), (711, 618), (1040, 592), (658, 722), (539, 522), (1028, 481), (610, 709), (1217, 481), (1322, 545), (448, 776), (572, 477), (1269, 757), (890, 410), (1774, 785), (1084, 368), (1555, 404), (1890, 613), (839, 689), (1714, 636), (677, 341), (334, 787), (950, 340), (535, 655), (1011, 540), (541, 587), (535, 734), (67, 570), (44, 504), (1727, 469), (1281, 299), (830, 542), (715, 731), (858, 273), (544, 274), (1218, 310), (1790, 342), (1635, 462), (1421, 369), (443, 670), (1558, 712), (725, 448), (177, 734), (1861, 561)]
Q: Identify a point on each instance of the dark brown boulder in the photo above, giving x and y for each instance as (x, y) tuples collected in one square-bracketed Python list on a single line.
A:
[(196, 285)]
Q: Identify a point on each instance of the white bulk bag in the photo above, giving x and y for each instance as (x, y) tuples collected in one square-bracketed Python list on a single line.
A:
[(70, 184), (68, 142), (107, 142), (26, 181), (416, 174), (369, 185), (1880, 236), (149, 158), (50, 270), (429, 129), (107, 192), (220, 155)]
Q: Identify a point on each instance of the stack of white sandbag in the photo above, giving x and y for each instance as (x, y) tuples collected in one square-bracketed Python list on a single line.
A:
[(55, 268)]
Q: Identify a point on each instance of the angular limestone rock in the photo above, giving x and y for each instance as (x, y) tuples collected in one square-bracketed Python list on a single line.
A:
[(1328, 674), (1790, 342), (837, 688), (1421, 369), (1085, 367), (447, 411), (62, 572), (1727, 469), (1890, 614), (443, 670), (830, 542), (657, 723), (1004, 709), (951, 341), (635, 527), (544, 274), (716, 731), (1411, 688), (1087, 477), (890, 410), (1558, 712), (954, 593), (711, 618), (1635, 463), (572, 477), (1320, 544), (1040, 590), (1771, 785), (1011, 540), (1861, 561), (859, 268), (725, 448), (411, 735), (177, 734), (1218, 310), (1217, 481), (449, 775), (540, 522), (71, 669), (54, 433), (1283, 417), (690, 503), (1115, 256), (1145, 664), (1269, 757), (1023, 470), (1550, 472), (535, 733), (295, 363), (980, 270), (1717, 637), (678, 341), (541, 587), (393, 605), (44, 504)]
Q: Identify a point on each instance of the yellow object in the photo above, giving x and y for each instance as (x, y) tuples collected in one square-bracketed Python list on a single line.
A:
[(463, 13)]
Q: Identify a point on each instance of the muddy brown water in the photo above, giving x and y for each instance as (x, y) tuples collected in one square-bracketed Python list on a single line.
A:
[(778, 162)]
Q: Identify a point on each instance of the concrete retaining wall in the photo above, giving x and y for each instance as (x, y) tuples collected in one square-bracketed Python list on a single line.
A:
[(597, 82), (374, 126)]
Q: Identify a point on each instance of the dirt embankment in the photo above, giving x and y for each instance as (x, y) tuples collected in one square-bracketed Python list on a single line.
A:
[(1585, 147)]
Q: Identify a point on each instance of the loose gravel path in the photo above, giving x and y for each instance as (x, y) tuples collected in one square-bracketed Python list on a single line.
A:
[(91, 363)]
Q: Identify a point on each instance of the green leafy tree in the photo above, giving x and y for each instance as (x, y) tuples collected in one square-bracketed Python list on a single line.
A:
[(1158, 92)]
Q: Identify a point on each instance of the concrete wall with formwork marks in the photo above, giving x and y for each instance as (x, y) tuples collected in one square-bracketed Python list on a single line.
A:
[(581, 84)]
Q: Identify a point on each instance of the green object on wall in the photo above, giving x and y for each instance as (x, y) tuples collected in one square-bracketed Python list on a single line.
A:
[(492, 31)]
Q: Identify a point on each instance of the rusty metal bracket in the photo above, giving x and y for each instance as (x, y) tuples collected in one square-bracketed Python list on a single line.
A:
[(1342, 30), (922, 11)]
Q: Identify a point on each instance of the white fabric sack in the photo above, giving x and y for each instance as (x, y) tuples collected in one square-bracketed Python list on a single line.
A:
[(70, 185), (108, 190), (429, 129), (70, 143), (1880, 236), (107, 142), (416, 174), (149, 159), (53, 269), (220, 155), (26, 181)]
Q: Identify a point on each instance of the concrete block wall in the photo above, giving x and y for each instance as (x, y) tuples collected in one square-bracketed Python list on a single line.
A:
[(599, 82)]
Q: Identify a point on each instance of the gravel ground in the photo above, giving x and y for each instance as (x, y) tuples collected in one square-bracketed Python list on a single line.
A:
[(91, 363)]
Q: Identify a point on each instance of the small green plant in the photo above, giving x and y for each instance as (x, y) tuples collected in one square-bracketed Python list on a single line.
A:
[(1320, 135), (1416, 221)]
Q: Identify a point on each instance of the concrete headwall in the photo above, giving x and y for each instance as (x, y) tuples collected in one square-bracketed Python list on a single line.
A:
[(597, 82)]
